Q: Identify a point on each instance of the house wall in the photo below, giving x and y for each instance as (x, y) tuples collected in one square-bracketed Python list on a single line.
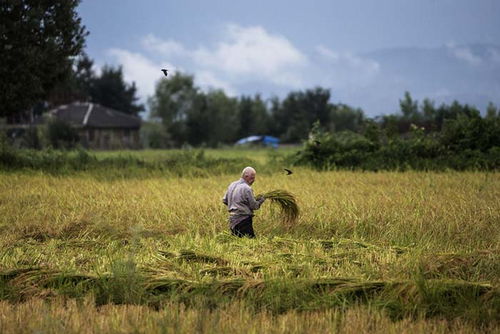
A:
[(110, 139)]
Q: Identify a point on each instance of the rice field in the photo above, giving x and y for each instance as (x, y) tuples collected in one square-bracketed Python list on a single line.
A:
[(379, 252)]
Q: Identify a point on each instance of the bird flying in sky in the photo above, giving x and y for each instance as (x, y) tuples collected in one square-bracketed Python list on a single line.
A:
[(164, 71), (288, 172)]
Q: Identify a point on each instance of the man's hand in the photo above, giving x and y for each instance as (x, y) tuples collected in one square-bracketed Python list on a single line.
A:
[(260, 199)]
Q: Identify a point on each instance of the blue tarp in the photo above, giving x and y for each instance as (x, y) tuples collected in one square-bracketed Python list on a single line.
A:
[(265, 140)]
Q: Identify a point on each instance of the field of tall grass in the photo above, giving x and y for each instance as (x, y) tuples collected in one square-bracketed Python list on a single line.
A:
[(370, 252)]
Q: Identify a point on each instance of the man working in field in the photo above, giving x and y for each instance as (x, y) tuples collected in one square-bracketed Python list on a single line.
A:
[(241, 203)]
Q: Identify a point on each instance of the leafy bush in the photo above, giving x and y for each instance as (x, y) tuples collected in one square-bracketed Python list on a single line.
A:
[(61, 135), (467, 142), (184, 163)]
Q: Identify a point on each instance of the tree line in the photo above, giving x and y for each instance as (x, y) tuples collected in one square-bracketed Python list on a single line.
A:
[(187, 115), (43, 60), (420, 137)]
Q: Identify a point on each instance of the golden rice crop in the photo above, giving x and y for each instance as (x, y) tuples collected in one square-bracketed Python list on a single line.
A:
[(420, 243), (287, 203)]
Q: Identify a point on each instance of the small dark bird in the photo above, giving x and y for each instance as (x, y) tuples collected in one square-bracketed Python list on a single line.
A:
[(288, 172), (164, 71)]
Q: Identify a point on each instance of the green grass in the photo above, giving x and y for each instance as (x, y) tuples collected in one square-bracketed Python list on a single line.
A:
[(144, 164), (259, 155)]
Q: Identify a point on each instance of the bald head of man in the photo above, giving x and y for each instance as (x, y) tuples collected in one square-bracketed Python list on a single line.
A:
[(248, 174)]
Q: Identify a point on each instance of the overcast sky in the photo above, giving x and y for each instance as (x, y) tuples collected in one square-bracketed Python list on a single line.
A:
[(275, 46)]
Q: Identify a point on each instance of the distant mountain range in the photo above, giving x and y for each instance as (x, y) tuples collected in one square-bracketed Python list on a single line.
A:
[(466, 73)]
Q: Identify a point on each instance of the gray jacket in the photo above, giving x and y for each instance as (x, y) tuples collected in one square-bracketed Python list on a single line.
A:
[(240, 200)]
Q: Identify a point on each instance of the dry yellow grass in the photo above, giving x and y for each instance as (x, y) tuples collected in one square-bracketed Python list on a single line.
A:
[(71, 317), (446, 211), (370, 226)]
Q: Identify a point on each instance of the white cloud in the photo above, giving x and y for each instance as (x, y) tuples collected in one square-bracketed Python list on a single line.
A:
[(341, 69), (207, 79), (252, 54), (242, 56), (464, 53), (327, 53), (165, 48), (467, 55), (141, 70), (348, 59)]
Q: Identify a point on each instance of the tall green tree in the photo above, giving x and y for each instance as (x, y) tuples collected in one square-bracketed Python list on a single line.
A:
[(84, 74), (39, 40), (174, 98), (409, 107), (253, 117), (212, 119), (298, 111), (469, 131), (223, 114), (342, 117), (111, 90), (492, 111), (76, 87), (290, 118)]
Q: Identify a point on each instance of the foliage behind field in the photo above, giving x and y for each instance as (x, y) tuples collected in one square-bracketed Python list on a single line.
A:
[(139, 164)]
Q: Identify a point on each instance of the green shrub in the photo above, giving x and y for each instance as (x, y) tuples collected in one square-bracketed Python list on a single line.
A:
[(62, 135), (183, 163), (462, 145)]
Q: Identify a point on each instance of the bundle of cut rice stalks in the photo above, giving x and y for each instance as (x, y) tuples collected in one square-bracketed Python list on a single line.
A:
[(287, 203)]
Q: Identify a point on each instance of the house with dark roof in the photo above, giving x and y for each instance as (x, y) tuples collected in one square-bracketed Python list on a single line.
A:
[(100, 127)]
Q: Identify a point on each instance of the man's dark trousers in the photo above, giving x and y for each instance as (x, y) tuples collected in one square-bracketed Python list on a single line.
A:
[(244, 228)]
